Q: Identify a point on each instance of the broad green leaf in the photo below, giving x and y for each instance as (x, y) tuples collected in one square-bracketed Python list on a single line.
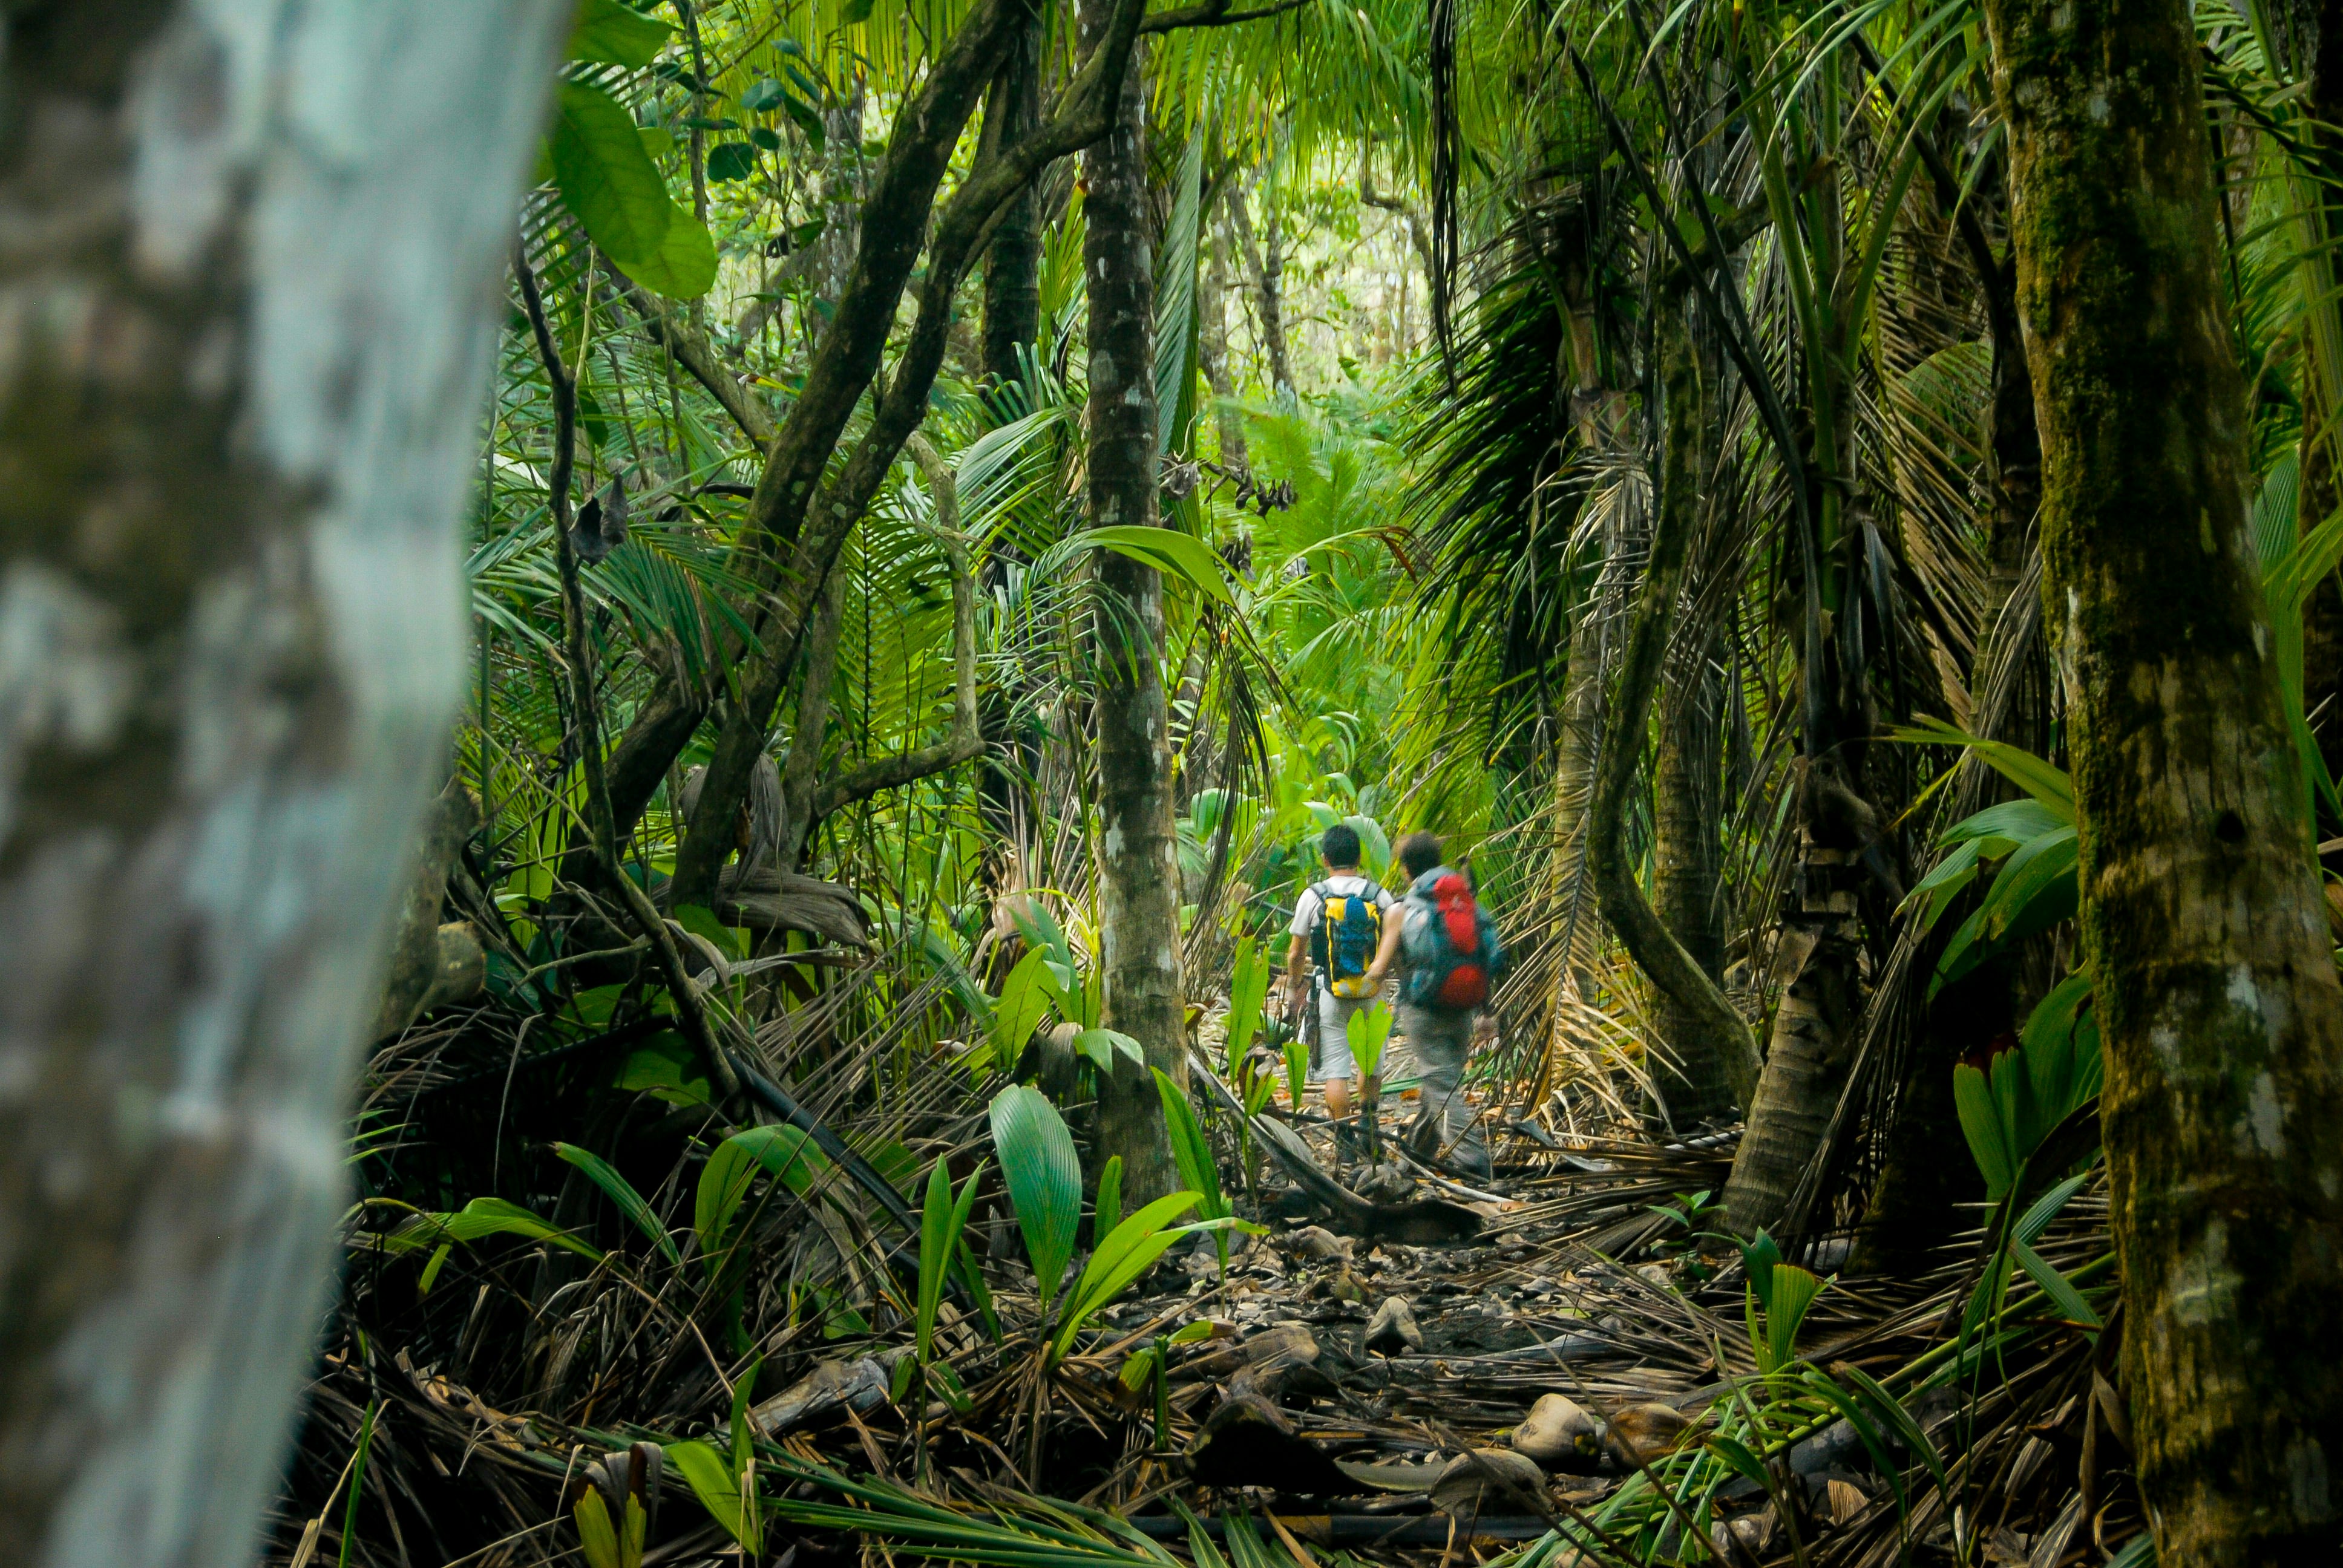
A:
[(596, 1537), (1369, 1030), (621, 1191), (664, 1066), (701, 921), (1044, 1177), (1123, 1257), (2038, 779), (1025, 1003), (685, 266), (1175, 554), (712, 1481), (763, 96), (1099, 1045), (1248, 990), (2018, 821), (2036, 890), (612, 33), (1795, 1291), (2061, 1042), (731, 161), (1190, 1149), (480, 1218), (607, 179), (2056, 1286), (943, 1220), (788, 1152), (1933, 893), (1981, 1123), (1107, 1213)]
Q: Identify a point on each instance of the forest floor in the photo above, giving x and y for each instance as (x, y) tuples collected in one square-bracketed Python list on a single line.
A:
[(1585, 1371)]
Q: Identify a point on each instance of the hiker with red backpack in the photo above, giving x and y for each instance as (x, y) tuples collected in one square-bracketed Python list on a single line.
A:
[(1446, 949), (1339, 927)]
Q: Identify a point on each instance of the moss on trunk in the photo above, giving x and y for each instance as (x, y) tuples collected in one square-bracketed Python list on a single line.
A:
[(1138, 860), (2201, 915)]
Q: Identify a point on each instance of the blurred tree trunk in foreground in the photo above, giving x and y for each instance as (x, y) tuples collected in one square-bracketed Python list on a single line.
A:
[(246, 319)]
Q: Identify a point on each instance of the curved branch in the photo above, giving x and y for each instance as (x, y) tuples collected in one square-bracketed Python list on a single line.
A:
[(601, 821), (1215, 13), (1082, 114), (1646, 938), (691, 350)]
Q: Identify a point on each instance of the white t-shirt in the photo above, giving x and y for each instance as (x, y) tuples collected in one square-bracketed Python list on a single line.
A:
[(1342, 885)]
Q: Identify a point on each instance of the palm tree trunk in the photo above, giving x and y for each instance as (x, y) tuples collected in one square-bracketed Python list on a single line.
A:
[(1138, 855), (1806, 1065), (2201, 916), (1712, 1029), (1686, 884), (241, 406)]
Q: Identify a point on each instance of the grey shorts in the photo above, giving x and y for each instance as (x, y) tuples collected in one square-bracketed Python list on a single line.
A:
[(1334, 1014)]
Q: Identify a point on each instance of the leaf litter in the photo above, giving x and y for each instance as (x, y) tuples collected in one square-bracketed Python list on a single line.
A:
[(1564, 1363)]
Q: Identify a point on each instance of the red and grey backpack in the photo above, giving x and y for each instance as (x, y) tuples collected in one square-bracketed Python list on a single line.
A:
[(1450, 942)]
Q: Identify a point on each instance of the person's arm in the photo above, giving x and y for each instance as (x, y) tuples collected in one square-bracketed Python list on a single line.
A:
[(1297, 961), (1387, 951)]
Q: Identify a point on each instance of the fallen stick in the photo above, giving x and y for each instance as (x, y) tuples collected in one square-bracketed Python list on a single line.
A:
[(1426, 1222)]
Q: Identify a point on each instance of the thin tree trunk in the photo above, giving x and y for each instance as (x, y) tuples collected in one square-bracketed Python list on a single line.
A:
[(1687, 872), (1266, 274), (248, 316), (801, 773), (1138, 861), (1713, 1028), (792, 507), (1012, 261), (2201, 915), (1013, 324), (1212, 354)]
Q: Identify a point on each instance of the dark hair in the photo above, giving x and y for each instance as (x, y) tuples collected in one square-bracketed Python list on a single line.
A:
[(1419, 852), (1340, 845)]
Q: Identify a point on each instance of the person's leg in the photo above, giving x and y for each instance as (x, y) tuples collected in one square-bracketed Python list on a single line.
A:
[(1337, 1069), (1447, 1124), (1338, 1097)]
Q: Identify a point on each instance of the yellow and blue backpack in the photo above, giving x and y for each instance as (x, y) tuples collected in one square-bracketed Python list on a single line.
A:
[(1350, 928)]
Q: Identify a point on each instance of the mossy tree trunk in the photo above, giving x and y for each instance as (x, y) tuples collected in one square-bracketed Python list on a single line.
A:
[(1138, 861), (2201, 915), (1687, 872)]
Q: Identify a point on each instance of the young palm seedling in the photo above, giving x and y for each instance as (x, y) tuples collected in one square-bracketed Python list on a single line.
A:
[(1369, 1030)]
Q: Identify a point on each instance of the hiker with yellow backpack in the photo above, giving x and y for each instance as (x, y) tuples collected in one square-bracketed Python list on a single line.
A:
[(1337, 930)]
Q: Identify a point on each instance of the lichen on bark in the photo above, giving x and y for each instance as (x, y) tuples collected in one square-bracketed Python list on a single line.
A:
[(2201, 914)]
